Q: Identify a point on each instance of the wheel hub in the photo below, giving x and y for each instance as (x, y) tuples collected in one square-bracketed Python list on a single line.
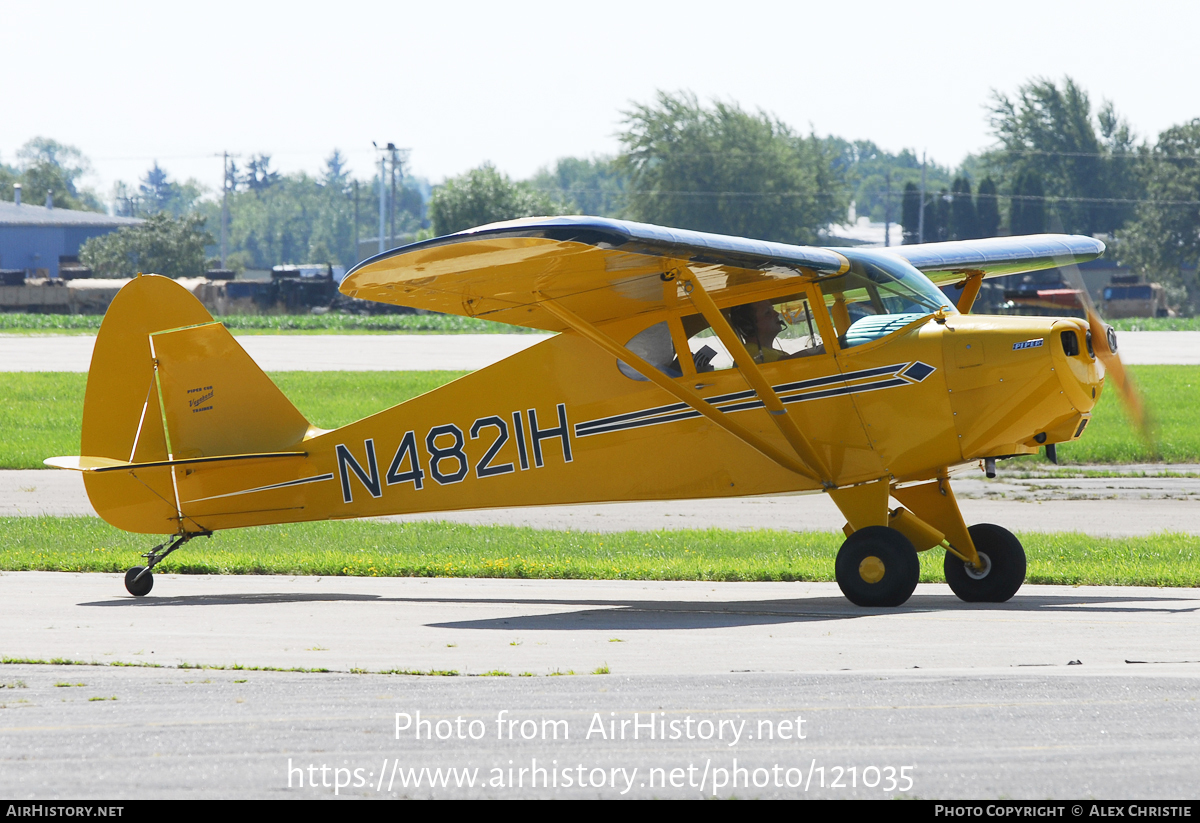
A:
[(871, 569), (981, 572)]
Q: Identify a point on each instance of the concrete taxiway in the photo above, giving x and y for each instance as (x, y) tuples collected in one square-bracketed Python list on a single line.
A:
[(1060, 693), (298, 352), (543, 626), (421, 352)]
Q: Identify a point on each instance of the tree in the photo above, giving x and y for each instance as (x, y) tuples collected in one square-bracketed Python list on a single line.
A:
[(159, 193), (1165, 233), (592, 186), (259, 176), (937, 218), (724, 170), (485, 195), (301, 219), (987, 209), (910, 213), (1027, 210), (1084, 162), (8, 176), (47, 167), (964, 224), (866, 168), (161, 245), (335, 173)]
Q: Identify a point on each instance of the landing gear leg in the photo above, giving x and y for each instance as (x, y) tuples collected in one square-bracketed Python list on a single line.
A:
[(138, 580)]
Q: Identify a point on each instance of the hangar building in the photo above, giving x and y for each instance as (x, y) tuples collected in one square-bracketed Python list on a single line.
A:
[(35, 238)]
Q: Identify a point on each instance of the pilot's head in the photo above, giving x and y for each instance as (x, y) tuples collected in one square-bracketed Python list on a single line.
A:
[(757, 322)]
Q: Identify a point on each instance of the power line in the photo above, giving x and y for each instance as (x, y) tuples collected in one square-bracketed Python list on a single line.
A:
[(1124, 155), (1050, 198)]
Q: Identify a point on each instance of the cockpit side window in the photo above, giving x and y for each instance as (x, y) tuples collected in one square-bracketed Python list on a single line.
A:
[(778, 328), (653, 345), (876, 297)]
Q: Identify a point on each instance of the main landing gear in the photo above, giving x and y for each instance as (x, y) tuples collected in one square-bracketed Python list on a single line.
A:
[(878, 566), (138, 580)]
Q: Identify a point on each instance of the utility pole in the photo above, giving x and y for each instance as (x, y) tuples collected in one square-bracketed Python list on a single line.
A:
[(356, 220), (921, 217), (224, 205), (392, 235), (887, 213), (382, 197), (225, 158)]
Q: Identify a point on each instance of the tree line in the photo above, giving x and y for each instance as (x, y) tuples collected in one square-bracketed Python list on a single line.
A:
[(1058, 163)]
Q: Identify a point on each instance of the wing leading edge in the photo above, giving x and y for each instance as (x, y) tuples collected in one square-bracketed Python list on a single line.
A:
[(601, 269)]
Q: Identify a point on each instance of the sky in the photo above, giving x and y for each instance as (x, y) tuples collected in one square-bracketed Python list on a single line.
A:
[(520, 84)]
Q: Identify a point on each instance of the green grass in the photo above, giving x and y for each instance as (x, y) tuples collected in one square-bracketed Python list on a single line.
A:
[(1172, 398), (1156, 324), (280, 324), (332, 399), (40, 412), (373, 549)]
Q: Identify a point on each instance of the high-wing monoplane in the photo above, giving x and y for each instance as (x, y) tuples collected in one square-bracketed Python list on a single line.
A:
[(686, 365)]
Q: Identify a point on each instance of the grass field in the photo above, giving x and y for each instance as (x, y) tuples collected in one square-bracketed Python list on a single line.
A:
[(280, 324), (372, 549), (1156, 324), (40, 413)]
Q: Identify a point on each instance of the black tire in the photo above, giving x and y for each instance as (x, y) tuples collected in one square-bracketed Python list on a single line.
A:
[(142, 587), (882, 553), (1004, 570)]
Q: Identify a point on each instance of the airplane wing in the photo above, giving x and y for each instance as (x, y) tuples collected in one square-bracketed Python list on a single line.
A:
[(997, 256), (600, 269)]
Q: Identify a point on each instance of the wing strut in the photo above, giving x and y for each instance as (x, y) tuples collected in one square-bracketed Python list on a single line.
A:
[(684, 394), (749, 369)]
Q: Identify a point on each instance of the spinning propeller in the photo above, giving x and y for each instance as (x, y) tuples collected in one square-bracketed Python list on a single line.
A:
[(1103, 341)]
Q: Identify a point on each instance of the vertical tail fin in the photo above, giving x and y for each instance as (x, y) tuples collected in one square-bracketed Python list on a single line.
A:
[(168, 383)]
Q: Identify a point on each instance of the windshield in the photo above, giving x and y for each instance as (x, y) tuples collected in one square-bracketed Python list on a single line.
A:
[(878, 295)]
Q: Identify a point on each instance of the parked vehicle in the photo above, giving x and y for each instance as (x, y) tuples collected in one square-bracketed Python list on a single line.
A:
[(1129, 297)]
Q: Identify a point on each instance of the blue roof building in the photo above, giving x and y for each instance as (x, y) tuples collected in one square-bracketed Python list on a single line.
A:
[(35, 238)]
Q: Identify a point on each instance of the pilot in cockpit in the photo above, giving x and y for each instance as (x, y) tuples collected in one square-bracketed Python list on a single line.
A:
[(758, 325)]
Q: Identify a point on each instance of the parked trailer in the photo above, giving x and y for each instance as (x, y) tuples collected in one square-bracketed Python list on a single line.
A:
[(57, 296)]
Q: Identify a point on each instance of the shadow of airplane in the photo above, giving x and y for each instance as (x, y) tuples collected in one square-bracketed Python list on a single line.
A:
[(631, 614)]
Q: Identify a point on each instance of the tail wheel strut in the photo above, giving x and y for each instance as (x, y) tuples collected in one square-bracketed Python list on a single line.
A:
[(138, 580)]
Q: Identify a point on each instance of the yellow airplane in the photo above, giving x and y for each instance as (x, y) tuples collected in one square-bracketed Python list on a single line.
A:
[(687, 365)]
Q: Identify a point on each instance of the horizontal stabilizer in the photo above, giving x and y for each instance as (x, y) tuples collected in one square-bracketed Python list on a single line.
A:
[(108, 464)]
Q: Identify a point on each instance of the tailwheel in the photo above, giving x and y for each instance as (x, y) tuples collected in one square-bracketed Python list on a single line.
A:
[(877, 566), (139, 581), (1003, 569)]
